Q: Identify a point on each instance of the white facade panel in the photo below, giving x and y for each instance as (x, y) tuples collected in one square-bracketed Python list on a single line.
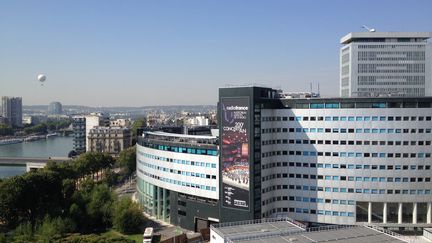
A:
[(383, 158), (155, 165)]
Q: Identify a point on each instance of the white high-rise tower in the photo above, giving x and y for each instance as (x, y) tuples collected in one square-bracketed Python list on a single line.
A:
[(386, 64)]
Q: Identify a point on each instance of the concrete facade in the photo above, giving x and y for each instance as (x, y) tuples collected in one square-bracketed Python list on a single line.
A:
[(111, 140), (386, 64), (12, 110)]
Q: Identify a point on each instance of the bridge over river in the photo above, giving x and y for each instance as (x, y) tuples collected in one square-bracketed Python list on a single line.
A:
[(30, 163)]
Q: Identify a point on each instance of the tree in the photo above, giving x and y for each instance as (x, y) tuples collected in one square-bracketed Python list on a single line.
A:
[(139, 123), (11, 193), (127, 160), (92, 162), (92, 206), (99, 208), (30, 197), (23, 233), (127, 216), (52, 228), (6, 130), (39, 128)]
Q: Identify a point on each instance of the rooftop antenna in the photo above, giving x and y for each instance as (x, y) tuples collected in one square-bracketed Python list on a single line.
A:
[(318, 90), (368, 29)]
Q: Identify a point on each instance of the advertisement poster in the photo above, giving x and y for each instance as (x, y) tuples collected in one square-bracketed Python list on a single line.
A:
[(235, 152)]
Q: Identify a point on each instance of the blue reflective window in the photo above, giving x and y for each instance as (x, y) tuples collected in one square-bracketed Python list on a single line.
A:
[(378, 105), (332, 105), (316, 106)]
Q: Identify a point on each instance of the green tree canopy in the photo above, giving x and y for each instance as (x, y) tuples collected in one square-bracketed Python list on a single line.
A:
[(127, 160), (139, 123), (6, 130), (127, 216)]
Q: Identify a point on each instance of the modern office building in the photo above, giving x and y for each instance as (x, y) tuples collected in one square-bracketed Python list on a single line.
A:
[(79, 133), (386, 64), (316, 160), (55, 108), (178, 178), (111, 140), (12, 110), (329, 160)]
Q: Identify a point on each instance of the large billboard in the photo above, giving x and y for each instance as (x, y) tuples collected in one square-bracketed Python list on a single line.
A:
[(235, 152)]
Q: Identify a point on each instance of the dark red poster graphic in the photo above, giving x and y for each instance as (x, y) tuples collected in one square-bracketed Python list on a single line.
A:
[(235, 152)]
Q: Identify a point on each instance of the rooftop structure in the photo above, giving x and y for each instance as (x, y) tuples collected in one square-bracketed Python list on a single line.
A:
[(286, 230), (385, 37)]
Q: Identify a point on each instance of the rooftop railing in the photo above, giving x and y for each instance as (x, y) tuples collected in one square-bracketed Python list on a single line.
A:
[(391, 233)]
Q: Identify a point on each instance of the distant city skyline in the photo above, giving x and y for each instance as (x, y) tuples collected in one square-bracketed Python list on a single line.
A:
[(144, 53)]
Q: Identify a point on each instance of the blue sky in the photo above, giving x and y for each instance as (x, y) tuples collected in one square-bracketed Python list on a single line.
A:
[(136, 53)]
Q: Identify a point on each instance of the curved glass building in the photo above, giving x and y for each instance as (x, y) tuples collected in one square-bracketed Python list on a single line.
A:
[(178, 178)]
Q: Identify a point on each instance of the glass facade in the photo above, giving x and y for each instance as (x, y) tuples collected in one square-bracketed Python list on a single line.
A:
[(153, 200)]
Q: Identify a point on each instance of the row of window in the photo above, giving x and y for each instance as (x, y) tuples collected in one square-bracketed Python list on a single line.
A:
[(403, 47), (346, 166), (345, 190), (391, 68), (346, 142), (177, 149), (345, 118), (309, 211), (346, 154), (391, 56), (346, 178), (177, 182), (178, 172), (178, 161), (346, 130), (307, 199)]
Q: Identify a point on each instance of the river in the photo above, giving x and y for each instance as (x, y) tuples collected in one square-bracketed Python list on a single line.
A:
[(51, 147)]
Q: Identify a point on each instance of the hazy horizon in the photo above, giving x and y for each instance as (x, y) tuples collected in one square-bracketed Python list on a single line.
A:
[(147, 53)]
